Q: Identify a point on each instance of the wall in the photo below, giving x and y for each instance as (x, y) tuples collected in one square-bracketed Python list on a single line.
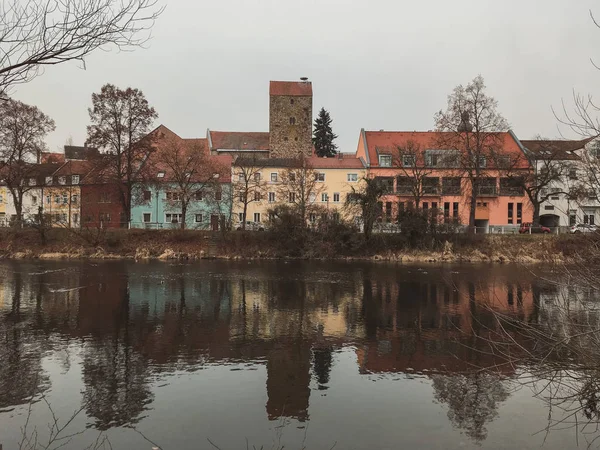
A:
[(158, 207), (101, 199), (287, 139), (63, 213)]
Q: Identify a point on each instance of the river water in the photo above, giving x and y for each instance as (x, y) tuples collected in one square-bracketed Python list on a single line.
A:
[(297, 355)]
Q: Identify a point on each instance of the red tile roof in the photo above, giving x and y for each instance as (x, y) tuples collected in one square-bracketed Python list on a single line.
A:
[(48, 157), (291, 88), (336, 162), (385, 142), (229, 140)]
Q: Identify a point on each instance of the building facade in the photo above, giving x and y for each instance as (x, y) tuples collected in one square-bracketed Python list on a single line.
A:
[(442, 184)]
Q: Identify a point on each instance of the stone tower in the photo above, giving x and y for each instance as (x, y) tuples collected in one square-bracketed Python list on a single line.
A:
[(290, 118)]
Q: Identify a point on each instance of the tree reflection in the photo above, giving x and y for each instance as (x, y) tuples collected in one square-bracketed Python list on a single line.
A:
[(472, 400), (322, 366)]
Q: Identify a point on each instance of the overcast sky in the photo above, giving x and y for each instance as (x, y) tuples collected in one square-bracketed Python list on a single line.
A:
[(378, 64)]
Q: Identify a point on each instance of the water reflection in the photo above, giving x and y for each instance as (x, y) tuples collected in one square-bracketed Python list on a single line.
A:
[(135, 323)]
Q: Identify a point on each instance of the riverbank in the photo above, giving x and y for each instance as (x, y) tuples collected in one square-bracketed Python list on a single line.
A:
[(194, 245)]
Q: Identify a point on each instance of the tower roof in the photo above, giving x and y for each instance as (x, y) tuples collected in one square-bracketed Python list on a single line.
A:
[(291, 88)]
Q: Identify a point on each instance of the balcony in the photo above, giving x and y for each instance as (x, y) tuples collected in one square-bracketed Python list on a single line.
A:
[(487, 191), (431, 191)]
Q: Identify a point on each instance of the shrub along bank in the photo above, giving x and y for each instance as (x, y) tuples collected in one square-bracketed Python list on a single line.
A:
[(334, 241)]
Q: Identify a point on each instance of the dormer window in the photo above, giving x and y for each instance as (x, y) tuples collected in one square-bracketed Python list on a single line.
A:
[(48, 181), (75, 179), (62, 180), (32, 182), (407, 161), (160, 175), (292, 121), (385, 160)]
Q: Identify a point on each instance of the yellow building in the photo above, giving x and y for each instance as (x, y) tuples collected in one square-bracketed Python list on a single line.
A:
[(62, 194), (276, 181), (3, 201)]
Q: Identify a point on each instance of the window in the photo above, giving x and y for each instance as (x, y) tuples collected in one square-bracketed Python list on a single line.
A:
[(511, 186), (312, 198), (352, 177), (173, 196), (482, 162), (104, 217), (519, 213), (75, 179), (320, 176), (34, 199), (48, 199), (32, 182), (432, 160), (173, 218), (572, 217), (160, 175), (271, 197), (291, 101), (455, 211), (147, 196), (198, 218), (336, 197), (555, 194), (504, 162), (75, 218), (511, 207), (292, 176), (486, 186), (572, 174), (147, 217), (292, 197), (385, 160), (451, 186), (199, 195), (257, 217), (425, 206), (404, 185), (65, 198), (1, 199), (104, 197), (57, 198), (241, 217), (589, 217), (549, 208), (273, 177), (74, 198), (324, 197), (292, 121), (62, 180), (312, 217), (257, 177), (257, 196), (446, 211), (218, 195), (48, 181), (407, 161), (241, 177), (242, 197), (430, 185)]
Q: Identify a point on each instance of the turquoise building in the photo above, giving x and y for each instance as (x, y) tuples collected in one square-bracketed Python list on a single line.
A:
[(158, 206)]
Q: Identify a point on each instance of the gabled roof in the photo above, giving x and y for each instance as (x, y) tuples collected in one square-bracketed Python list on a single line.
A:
[(52, 157), (291, 88), (385, 142), (314, 162), (555, 149), (235, 140)]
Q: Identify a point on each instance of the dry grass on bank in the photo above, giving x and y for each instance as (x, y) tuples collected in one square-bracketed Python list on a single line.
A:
[(192, 244)]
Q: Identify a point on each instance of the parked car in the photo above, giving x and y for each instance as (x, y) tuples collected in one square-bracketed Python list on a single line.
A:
[(527, 227), (583, 228), (252, 226)]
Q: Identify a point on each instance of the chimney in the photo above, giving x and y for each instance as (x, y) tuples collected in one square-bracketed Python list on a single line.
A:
[(304, 79)]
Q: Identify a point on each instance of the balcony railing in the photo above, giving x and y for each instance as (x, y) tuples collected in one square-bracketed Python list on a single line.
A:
[(487, 191), (431, 190)]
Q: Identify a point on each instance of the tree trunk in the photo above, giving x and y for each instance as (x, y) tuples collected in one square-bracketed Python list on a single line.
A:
[(472, 209), (244, 213), (536, 214)]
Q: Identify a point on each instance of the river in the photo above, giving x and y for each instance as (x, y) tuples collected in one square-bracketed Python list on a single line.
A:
[(314, 355)]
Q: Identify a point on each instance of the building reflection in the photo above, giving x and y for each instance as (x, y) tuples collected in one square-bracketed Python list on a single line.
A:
[(135, 322)]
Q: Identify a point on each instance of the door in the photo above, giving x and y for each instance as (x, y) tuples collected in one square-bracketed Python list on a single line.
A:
[(214, 222)]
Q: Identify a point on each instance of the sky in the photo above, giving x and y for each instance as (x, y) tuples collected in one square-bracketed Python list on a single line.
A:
[(378, 64)]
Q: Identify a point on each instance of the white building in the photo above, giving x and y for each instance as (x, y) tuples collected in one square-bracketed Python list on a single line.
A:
[(563, 208)]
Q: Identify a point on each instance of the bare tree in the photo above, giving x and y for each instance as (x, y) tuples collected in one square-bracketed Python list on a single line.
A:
[(300, 186), (247, 183), (365, 200), (22, 132), (472, 125), (415, 165), (38, 33), (121, 123), (190, 173)]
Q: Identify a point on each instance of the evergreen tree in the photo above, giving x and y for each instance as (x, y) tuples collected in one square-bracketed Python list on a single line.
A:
[(323, 135)]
